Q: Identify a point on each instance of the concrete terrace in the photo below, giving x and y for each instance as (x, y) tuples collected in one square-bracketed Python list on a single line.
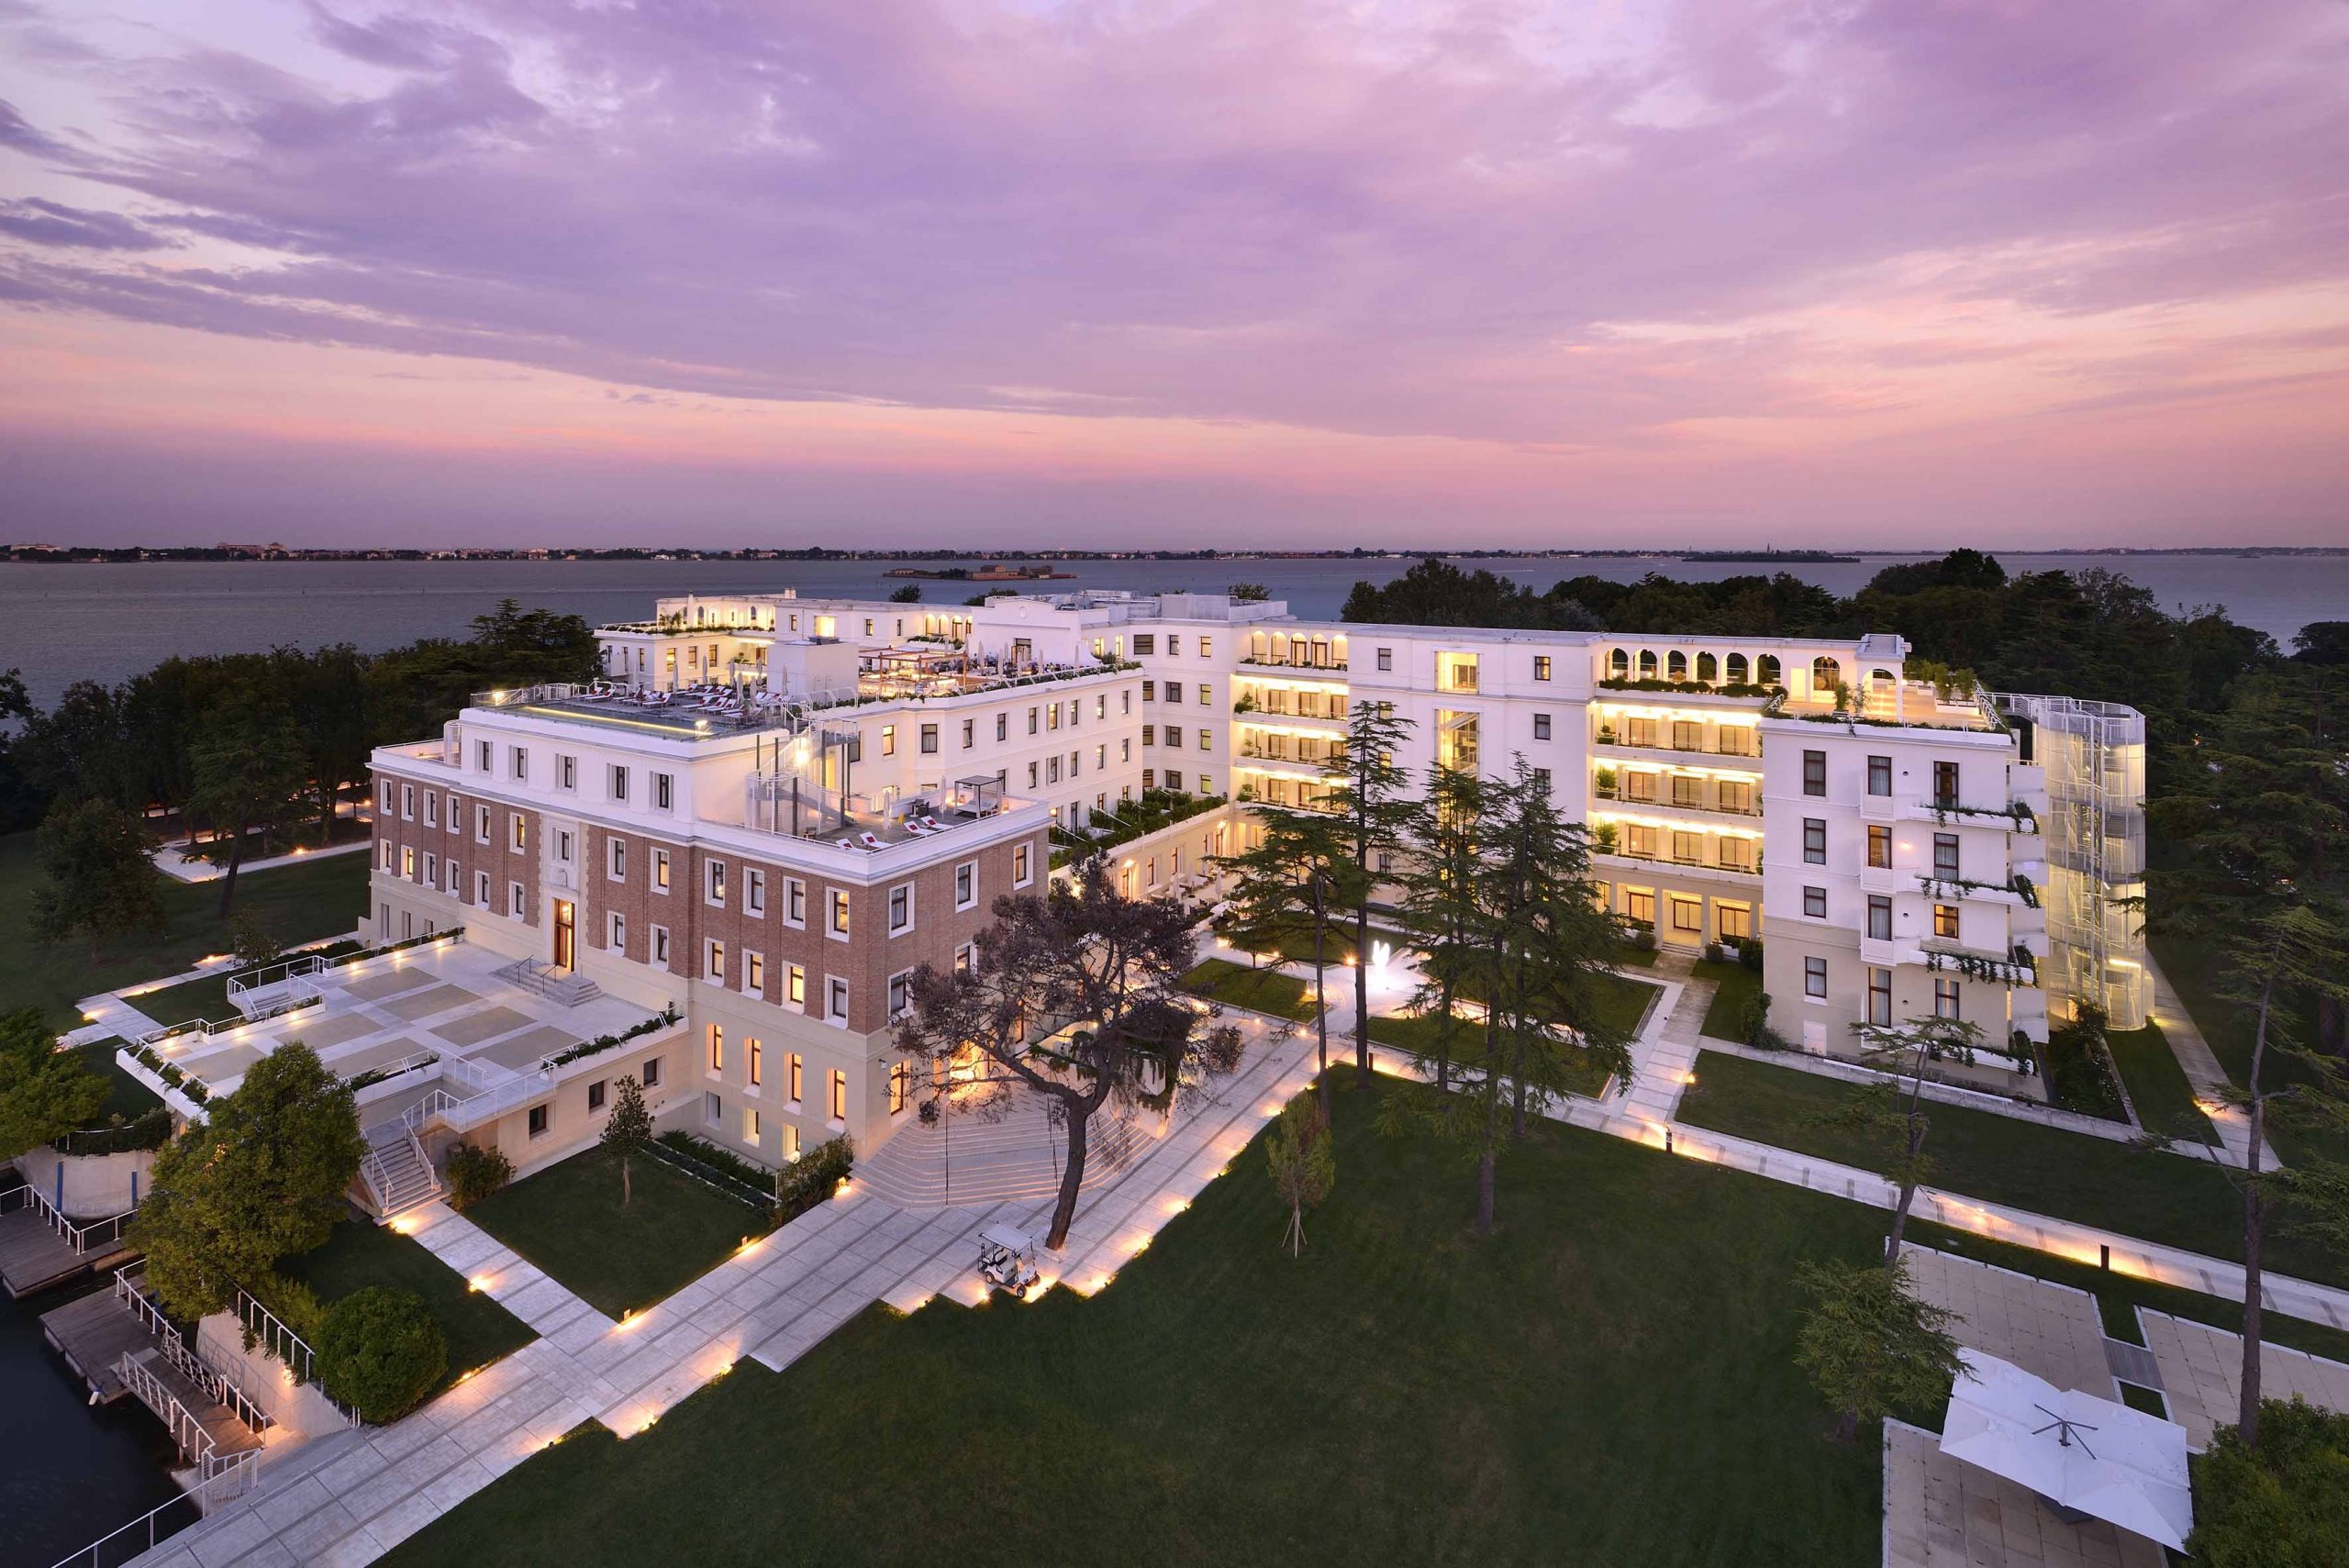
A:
[(348, 1499)]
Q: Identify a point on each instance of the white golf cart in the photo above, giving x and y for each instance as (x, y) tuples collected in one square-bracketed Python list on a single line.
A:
[(1007, 1258)]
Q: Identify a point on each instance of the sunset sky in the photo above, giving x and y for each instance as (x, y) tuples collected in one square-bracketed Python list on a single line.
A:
[(1212, 273)]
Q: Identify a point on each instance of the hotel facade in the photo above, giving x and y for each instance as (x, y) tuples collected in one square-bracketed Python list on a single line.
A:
[(772, 809)]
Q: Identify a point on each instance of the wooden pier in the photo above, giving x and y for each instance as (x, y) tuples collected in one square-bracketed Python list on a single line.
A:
[(34, 1257), (94, 1334)]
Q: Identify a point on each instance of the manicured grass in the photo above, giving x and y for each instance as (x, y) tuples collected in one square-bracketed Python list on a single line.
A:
[(206, 997), (126, 1096), (359, 1254), (1981, 1154), (1736, 984), (1610, 1380), (568, 1220), (1418, 1036), (2158, 1086), (1259, 990), (295, 904), (1624, 1001), (2192, 968)]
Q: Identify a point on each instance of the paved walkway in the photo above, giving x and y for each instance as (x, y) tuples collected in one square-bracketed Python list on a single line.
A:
[(349, 1500), (2048, 1329), (2210, 1081), (2201, 1370), (1940, 1512)]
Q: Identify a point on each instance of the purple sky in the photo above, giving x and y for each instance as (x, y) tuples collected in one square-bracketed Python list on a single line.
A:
[(1901, 273)]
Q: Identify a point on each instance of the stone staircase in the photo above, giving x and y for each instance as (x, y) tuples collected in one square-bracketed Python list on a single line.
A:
[(564, 985), (998, 1156), (396, 1173)]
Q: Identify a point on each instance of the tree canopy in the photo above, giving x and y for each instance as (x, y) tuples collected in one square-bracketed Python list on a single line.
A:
[(45, 1093)]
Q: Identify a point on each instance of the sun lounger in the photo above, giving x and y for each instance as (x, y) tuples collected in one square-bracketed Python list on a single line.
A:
[(870, 841)]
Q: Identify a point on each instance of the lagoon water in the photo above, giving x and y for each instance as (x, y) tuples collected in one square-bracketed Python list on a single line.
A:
[(61, 623)]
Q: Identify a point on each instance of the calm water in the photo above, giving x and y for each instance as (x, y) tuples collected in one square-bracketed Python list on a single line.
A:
[(68, 1473), (61, 623)]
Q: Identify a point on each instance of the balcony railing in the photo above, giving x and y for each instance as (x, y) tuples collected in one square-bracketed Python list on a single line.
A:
[(1616, 738), (1337, 666)]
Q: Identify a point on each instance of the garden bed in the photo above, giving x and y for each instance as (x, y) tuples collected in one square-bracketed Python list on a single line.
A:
[(1258, 990), (360, 1254)]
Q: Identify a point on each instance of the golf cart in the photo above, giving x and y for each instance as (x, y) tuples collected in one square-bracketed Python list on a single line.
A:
[(1007, 1259)]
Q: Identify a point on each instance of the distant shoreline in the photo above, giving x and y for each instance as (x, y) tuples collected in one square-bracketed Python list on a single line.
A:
[(979, 563)]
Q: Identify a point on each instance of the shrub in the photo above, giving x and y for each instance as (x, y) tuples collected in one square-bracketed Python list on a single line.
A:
[(1749, 953), (1713, 953), (296, 1303), (815, 1175), (2078, 1074), (1754, 1024), (2284, 1501), (380, 1351), (1642, 937), (474, 1173)]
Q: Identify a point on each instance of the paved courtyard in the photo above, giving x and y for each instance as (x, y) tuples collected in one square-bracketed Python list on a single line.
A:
[(1941, 1513), (2202, 1374), (350, 1498)]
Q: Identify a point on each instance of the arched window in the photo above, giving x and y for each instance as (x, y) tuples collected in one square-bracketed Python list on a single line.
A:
[(1880, 677), (1708, 668), (1765, 671), (1619, 664), (1647, 663), (1825, 674), (1676, 665), (1737, 669)]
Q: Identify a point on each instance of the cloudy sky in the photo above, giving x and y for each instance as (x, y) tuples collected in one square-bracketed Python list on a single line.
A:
[(1222, 273)]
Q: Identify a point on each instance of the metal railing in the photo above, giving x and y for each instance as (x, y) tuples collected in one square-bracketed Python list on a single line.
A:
[(274, 1339), (224, 1384), (230, 1480), (81, 1238)]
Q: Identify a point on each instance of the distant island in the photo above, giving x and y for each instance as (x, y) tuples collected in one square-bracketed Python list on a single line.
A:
[(993, 573), (1780, 556)]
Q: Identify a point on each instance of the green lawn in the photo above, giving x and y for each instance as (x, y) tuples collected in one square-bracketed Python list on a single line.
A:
[(2192, 968), (126, 1096), (568, 1220), (206, 997), (1418, 1036), (1608, 1380), (295, 904), (2157, 1085), (1736, 984), (1999, 1159), (360, 1255), (1259, 990)]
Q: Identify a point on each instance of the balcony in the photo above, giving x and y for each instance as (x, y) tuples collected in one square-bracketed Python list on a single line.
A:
[(1697, 813), (1624, 859), (1302, 667), (1882, 879), (2017, 969)]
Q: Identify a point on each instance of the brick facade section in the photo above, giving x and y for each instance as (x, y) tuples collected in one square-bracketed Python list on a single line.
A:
[(452, 839)]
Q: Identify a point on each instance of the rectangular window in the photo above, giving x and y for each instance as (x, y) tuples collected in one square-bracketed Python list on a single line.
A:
[(1814, 840), (1002, 726), (1736, 921), (837, 1095), (659, 949), (1541, 727), (514, 899), (520, 839), (751, 1126), (930, 739), (1945, 921), (713, 968), (713, 882), (901, 909), (1020, 865), (615, 858), (538, 1122), (1879, 996), (384, 855), (1945, 1003), (521, 764), (1879, 776), (888, 739), (835, 999), (754, 974), (481, 888), (717, 1049), (407, 862), (664, 791), (1879, 918), (901, 1085), (432, 809), (1814, 903), (795, 1069), (794, 987), (595, 1094), (713, 1109), (901, 988), (790, 1141), (1814, 772), (1145, 643), (1640, 906), (1387, 658), (618, 780), (1945, 856), (795, 903), (566, 772), (482, 755), (837, 927), (1688, 915), (1945, 789), (970, 727), (1540, 666), (653, 1072), (615, 932), (1814, 977), (1879, 846), (754, 891), (660, 871)]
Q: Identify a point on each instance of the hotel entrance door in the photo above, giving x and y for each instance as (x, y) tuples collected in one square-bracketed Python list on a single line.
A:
[(566, 938)]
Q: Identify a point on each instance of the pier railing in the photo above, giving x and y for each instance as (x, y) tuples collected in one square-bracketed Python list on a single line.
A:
[(96, 1233), (223, 1484)]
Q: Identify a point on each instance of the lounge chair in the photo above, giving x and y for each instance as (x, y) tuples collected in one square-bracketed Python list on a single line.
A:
[(870, 841)]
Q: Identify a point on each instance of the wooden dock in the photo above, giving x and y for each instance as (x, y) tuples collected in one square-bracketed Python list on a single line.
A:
[(33, 1257), (92, 1334)]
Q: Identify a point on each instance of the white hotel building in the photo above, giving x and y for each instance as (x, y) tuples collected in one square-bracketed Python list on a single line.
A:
[(770, 870)]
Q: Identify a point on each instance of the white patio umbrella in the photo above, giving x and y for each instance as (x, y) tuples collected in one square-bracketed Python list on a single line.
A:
[(2072, 1448)]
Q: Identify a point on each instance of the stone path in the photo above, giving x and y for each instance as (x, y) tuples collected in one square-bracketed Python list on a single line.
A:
[(2201, 1370), (349, 1500), (1940, 1512), (2202, 1070), (2050, 1331)]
